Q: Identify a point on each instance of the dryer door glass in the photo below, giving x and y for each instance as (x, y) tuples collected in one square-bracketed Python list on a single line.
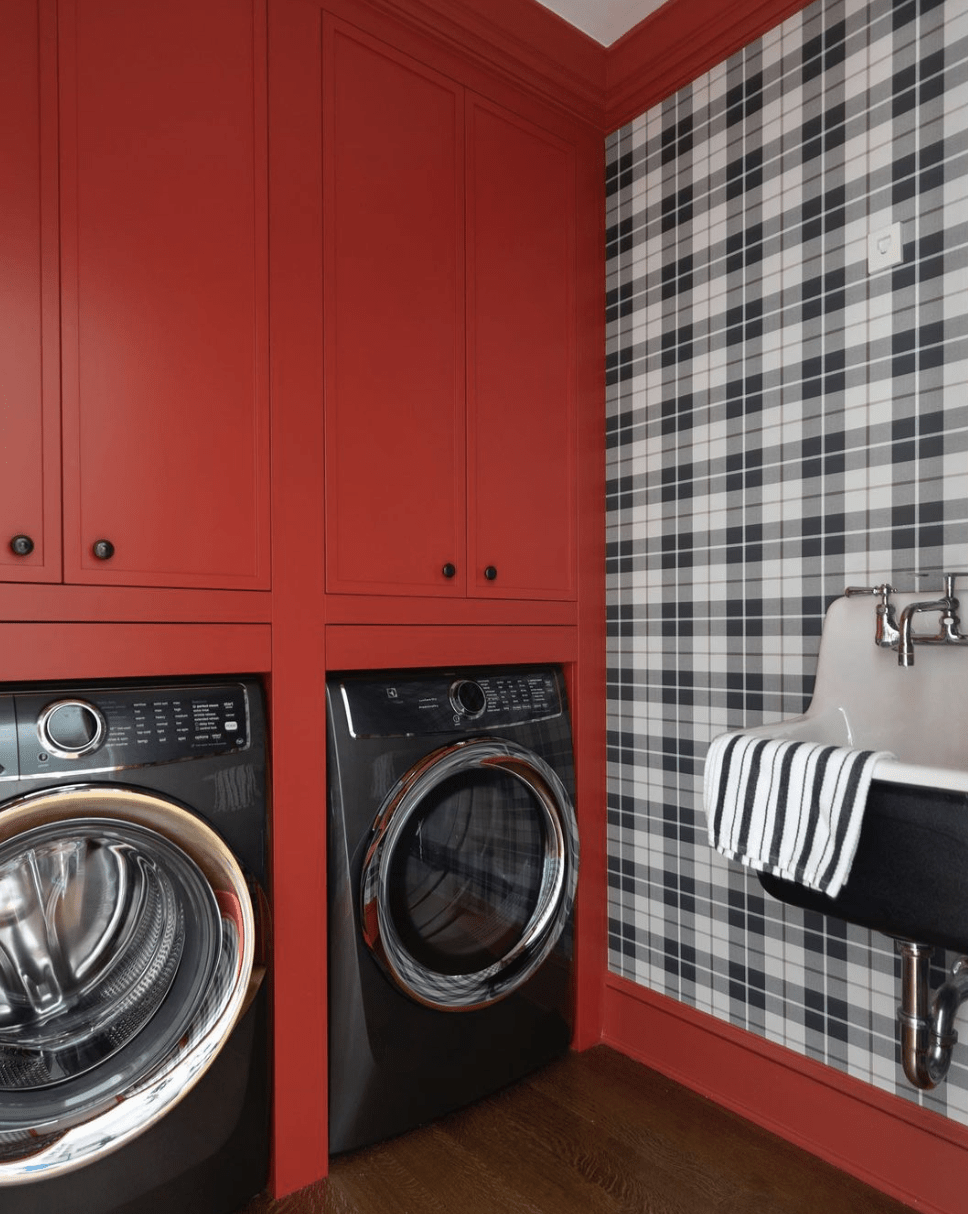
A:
[(126, 948), (466, 873), (470, 876)]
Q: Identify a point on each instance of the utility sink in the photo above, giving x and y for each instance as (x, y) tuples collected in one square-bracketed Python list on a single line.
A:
[(909, 877)]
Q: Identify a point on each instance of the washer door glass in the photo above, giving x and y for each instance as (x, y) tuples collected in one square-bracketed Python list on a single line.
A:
[(118, 953), (470, 875)]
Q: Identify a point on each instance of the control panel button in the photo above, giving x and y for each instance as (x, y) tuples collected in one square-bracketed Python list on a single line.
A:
[(71, 728), (468, 698)]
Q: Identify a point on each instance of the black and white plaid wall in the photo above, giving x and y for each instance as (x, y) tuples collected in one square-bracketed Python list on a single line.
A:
[(782, 422)]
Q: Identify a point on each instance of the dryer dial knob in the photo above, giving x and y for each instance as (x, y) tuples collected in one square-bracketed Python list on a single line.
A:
[(71, 728), (468, 698)]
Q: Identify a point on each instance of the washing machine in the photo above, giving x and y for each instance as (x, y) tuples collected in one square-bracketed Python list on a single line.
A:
[(133, 930), (453, 860)]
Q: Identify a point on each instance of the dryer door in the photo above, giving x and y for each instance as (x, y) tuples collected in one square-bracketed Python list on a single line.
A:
[(127, 937), (469, 879)]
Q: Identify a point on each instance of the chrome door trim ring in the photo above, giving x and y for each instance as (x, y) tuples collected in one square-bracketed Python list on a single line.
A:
[(145, 1103), (465, 992)]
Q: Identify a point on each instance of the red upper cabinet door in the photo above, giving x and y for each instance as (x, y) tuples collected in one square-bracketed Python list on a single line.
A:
[(393, 318), (29, 356), (521, 361), (164, 257)]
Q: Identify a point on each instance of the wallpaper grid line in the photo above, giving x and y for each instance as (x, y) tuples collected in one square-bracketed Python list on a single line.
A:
[(780, 423)]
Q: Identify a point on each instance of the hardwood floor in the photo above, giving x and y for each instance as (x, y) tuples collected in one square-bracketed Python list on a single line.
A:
[(592, 1134)]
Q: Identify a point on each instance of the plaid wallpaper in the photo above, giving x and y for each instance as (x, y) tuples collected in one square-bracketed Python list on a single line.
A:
[(781, 423)]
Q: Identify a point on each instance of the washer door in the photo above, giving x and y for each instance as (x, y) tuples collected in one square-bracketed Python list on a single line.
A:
[(469, 878), (127, 938)]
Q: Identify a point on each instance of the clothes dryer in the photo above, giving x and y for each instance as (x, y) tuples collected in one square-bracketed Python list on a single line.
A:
[(133, 1039), (453, 860)]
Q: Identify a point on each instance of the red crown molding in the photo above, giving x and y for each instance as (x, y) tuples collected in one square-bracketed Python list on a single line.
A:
[(605, 87), (526, 42), (676, 44)]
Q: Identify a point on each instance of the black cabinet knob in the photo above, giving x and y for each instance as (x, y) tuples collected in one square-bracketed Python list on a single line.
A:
[(103, 550), (490, 572), (449, 570), (21, 545)]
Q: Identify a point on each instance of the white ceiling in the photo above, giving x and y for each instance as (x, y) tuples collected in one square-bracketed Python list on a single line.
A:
[(604, 20)]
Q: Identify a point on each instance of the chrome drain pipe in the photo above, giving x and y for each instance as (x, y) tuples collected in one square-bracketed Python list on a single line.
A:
[(927, 1026)]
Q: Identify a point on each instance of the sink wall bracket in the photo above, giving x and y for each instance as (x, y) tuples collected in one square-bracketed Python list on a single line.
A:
[(927, 1024)]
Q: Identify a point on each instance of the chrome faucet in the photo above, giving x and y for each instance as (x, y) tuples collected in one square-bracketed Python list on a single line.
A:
[(891, 633), (947, 606)]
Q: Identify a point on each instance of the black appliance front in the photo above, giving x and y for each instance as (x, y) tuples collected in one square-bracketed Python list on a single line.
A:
[(453, 860), (133, 927)]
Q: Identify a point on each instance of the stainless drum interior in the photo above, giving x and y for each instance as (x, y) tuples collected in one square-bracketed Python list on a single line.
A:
[(97, 920), (126, 950)]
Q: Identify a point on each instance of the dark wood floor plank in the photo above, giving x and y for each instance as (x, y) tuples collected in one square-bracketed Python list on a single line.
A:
[(463, 1181), (595, 1133), (641, 1131), (634, 1136), (648, 1113), (538, 1155), (387, 1182)]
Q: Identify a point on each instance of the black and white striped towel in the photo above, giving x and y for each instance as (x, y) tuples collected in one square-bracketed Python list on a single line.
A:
[(793, 809)]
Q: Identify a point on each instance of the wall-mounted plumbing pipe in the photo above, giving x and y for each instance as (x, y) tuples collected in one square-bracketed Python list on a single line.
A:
[(927, 1026)]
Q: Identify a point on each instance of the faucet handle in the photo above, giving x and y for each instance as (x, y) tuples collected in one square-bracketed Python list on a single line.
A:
[(949, 583), (883, 590)]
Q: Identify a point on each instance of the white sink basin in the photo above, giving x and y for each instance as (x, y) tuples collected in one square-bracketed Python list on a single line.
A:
[(909, 877), (863, 698)]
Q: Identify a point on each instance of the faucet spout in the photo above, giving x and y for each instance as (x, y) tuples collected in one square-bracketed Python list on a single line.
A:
[(905, 645)]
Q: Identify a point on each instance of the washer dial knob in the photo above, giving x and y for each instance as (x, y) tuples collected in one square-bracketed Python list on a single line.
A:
[(468, 698), (71, 728)]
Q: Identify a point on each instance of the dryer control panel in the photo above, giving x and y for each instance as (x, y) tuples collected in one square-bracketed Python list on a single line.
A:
[(418, 703), (86, 730)]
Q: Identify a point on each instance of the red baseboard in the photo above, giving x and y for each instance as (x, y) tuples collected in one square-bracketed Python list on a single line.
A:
[(910, 1153)]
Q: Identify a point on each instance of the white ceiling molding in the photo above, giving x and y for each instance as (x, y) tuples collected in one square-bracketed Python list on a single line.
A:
[(604, 20)]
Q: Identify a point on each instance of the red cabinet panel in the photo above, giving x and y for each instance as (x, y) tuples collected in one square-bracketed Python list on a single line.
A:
[(521, 364), (29, 446), (164, 251), (450, 444), (393, 316)]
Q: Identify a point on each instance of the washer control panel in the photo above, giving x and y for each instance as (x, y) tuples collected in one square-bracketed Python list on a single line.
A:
[(415, 703), (98, 729)]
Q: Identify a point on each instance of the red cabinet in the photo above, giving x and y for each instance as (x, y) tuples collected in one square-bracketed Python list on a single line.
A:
[(449, 251), (163, 269)]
